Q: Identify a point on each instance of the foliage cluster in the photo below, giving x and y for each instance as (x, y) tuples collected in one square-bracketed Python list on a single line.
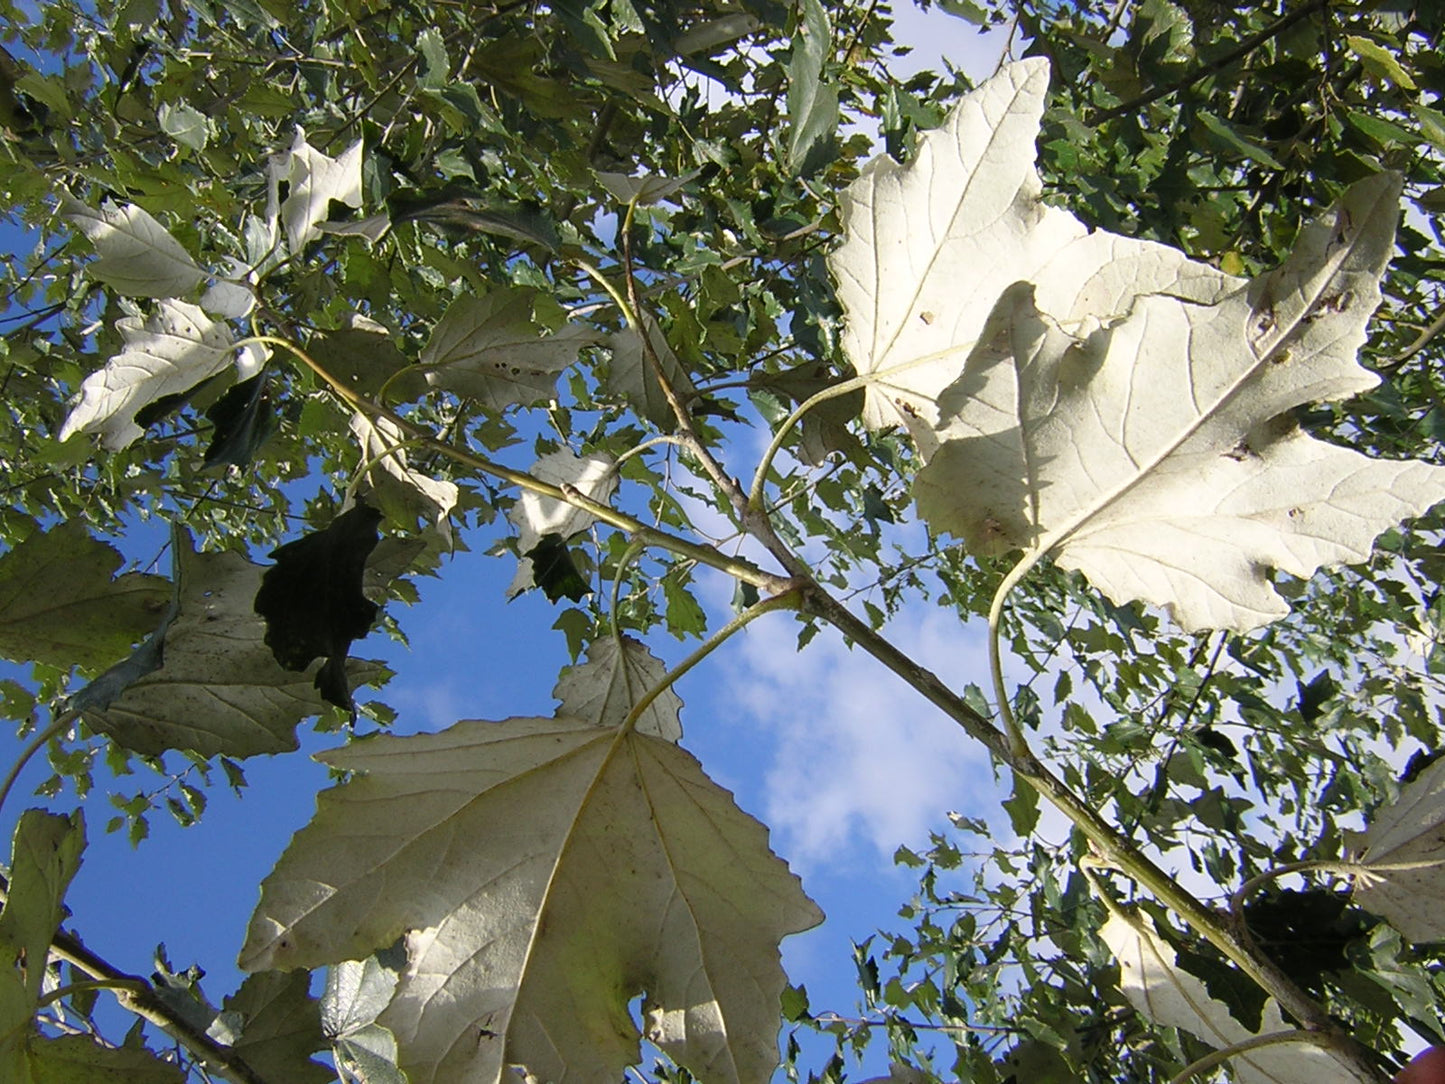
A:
[(381, 283)]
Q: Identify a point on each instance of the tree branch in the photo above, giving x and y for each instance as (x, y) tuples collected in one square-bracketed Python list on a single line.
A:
[(139, 996), (1116, 850)]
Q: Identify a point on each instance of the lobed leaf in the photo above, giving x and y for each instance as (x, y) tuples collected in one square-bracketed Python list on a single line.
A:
[(631, 873), (618, 672), (490, 349), (1159, 454), (313, 180), (1409, 835), (401, 493), (59, 604), (206, 681), (166, 353)]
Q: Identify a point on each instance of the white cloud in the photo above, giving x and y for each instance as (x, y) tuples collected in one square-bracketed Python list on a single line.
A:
[(861, 763)]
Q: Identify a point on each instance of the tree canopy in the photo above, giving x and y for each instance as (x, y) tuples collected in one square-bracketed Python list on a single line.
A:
[(1125, 352)]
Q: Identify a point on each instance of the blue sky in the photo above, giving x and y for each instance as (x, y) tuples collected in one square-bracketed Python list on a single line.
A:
[(830, 750)]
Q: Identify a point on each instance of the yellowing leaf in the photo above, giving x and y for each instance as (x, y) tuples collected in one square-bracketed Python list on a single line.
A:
[(1159, 454), (166, 353), (1171, 997), (545, 872), (137, 255), (1408, 834), (618, 672)]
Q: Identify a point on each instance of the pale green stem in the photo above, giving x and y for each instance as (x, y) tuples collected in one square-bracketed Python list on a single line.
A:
[(1273, 1038), (1116, 850), (1017, 742), (833, 391), (628, 556), (786, 601), (389, 451), (59, 725), (613, 292), (666, 438)]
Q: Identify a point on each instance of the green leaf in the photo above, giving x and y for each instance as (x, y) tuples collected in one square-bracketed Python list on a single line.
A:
[(1023, 808), (1380, 61), (812, 102), (243, 418), (280, 1027), (60, 606), (79, 1059), (44, 856), (1228, 137), (137, 255), (490, 348), (206, 681)]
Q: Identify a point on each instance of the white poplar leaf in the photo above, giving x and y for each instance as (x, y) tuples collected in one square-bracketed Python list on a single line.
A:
[(618, 672), (206, 681), (631, 873), (166, 353), (231, 296), (400, 492), (929, 246), (489, 348), (1171, 997), (313, 180), (1408, 833), (534, 515), (1159, 454), (137, 256)]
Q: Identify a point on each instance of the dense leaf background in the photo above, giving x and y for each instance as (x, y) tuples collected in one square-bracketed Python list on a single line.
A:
[(494, 137)]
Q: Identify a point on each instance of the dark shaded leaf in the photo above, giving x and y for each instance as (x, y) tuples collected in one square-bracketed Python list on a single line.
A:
[(243, 420), (554, 571), (312, 601), (1314, 695)]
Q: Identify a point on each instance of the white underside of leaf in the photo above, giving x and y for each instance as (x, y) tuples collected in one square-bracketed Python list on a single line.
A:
[(548, 871), (534, 515), (1171, 997), (313, 180), (395, 483), (1409, 834), (1157, 453), (137, 255), (618, 672), (166, 353), (930, 246)]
